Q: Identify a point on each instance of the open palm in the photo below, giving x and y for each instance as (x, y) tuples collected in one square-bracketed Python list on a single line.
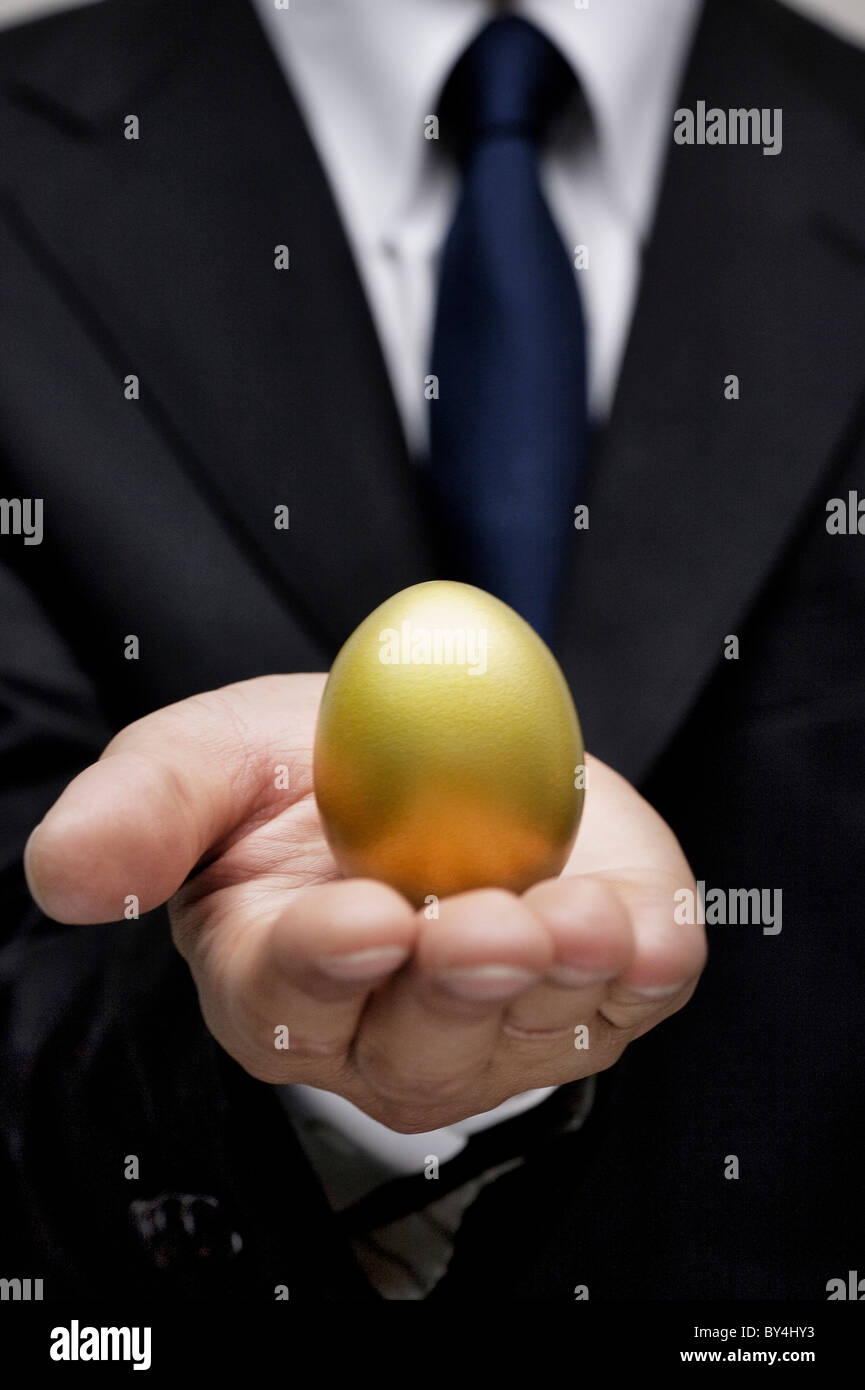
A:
[(208, 805)]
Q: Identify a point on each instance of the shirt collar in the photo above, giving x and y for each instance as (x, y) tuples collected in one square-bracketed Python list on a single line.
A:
[(369, 72), (628, 56)]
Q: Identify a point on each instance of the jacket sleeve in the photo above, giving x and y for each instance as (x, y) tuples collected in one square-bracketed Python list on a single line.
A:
[(100, 1033), (51, 726)]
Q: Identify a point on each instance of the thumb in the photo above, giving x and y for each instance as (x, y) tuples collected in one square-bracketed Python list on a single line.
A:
[(168, 789)]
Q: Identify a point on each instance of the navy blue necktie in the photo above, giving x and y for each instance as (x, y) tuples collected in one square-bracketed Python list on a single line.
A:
[(508, 430)]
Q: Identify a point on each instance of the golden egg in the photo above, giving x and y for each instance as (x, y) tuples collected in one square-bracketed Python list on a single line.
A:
[(447, 747)]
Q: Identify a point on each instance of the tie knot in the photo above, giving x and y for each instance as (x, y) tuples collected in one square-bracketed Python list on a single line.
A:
[(511, 80)]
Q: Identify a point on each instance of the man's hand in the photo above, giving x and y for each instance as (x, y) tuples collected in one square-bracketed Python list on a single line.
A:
[(418, 1022)]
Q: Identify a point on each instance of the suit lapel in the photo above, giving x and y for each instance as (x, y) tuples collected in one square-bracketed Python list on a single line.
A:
[(271, 386), (269, 382), (755, 269)]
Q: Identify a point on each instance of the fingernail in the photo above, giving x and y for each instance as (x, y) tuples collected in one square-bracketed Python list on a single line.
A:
[(572, 977), (656, 991), (487, 983), (27, 858), (364, 965)]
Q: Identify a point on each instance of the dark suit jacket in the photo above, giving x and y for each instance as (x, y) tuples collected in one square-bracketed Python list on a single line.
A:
[(708, 518)]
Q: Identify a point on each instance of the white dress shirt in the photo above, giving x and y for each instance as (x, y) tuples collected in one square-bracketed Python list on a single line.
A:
[(366, 75)]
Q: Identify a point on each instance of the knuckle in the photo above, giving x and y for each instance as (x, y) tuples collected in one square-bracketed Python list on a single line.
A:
[(308, 1063), (627, 1016), (532, 1041), (405, 1091), (306, 1048)]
